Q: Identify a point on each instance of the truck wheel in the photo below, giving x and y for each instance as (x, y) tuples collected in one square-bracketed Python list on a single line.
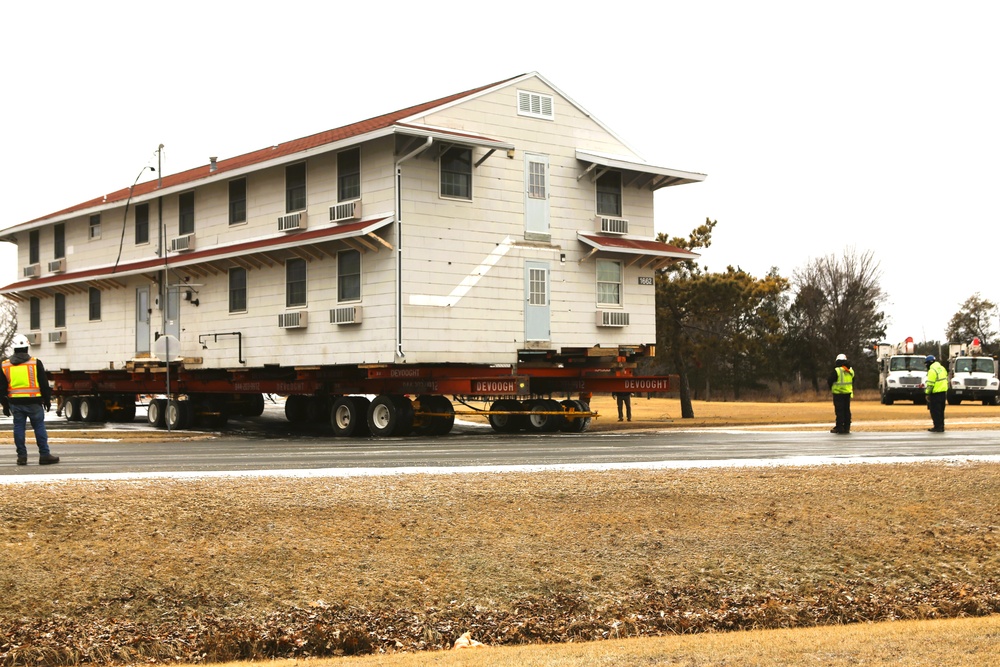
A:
[(575, 424), (506, 423), (349, 416), (390, 416), (887, 399), (438, 424), (920, 400), (297, 408), (178, 414), (71, 409), (156, 412), (954, 400), (92, 409), (540, 419)]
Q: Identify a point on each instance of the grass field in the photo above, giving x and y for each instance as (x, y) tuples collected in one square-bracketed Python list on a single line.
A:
[(201, 571)]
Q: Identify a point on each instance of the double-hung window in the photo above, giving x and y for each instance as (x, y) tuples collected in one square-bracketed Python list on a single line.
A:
[(94, 297), (185, 222), (34, 313), (609, 282), (456, 173), (237, 201), (59, 241), (295, 187), (348, 275), (33, 246), (94, 231), (60, 308), (295, 282), (609, 194), (141, 224), (237, 290), (349, 174)]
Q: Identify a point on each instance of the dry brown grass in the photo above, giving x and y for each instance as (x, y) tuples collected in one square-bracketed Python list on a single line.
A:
[(226, 569)]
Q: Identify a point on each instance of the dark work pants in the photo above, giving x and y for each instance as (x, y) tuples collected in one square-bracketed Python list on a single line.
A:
[(935, 403), (842, 408)]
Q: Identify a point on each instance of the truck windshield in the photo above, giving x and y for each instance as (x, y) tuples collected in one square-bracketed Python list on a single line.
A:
[(974, 365), (907, 364)]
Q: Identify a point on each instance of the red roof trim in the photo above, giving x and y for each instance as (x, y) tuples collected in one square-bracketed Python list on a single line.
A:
[(343, 230)]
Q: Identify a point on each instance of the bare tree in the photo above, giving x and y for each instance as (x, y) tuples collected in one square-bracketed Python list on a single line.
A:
[(974, 319), (8, 324)]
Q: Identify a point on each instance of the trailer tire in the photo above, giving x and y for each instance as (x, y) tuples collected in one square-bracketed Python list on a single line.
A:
[(156, 412), (349, 416), (253, 406), (297, 408), (92, 409), (435, 425), (390, 416), (178, 414), (575, 424), (506, 423), (71, 409), (540, 422)]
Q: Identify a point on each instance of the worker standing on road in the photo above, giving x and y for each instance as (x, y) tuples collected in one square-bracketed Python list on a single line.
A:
[(841, 382), (936, 388), (624, 400), (24, 390)]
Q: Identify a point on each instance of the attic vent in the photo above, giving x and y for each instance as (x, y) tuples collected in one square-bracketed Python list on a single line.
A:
[(612, 318), (32, 271), (612, 225), (348, 210), (292, 222), (57, 336), (57, 265), (345, 315), (296, 319), (535, 105), (182, 243)]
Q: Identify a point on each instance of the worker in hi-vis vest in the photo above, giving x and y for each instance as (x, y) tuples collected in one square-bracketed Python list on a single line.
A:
[(936, 388), (841, 382), (25, 394)]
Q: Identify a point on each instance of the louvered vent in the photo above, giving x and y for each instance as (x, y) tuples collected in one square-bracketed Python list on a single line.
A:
[(345, 315), (296, 319), (534, 104), (612, 225), (182, 243), (292, 222), (344, 211), (612, 318)]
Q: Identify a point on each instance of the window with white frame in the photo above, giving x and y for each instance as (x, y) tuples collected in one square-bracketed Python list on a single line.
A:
[(94, 231), (456, 173), (237, 201), (33, 246), (295, 282), (185, 220), (349, 174), (295, 187), (59, 322), (348, 275), (94, 297), (142, 224), (59, 241), (237, 290), (34, 313), (609, 282), (609, 194)]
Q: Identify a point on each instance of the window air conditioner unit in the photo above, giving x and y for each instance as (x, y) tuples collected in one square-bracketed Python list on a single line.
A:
[(32, 271), (348, 210), (182, 243), (57, 336), (296, 319), (57, 265), (292, 222), (608, 225), (612, 318), (345, 315), (34, 338)]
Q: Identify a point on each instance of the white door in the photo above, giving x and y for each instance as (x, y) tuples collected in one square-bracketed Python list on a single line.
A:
[(142, 312), (536, 193), (537, 311)]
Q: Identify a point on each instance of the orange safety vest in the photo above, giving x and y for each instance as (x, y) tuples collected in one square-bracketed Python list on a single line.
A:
[(22, 379)]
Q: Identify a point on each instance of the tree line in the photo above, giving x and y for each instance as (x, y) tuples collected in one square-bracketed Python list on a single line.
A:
[(726, 333)]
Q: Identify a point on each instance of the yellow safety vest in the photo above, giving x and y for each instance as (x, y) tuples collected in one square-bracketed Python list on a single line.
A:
[(937, 379), (845, 381), (22, 379)]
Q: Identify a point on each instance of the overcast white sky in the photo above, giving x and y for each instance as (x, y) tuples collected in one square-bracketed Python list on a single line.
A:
[(823, 127)]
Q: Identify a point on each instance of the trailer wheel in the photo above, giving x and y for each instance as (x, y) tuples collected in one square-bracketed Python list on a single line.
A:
[(156, 412), (252, 405), (506, 423), (575, 424), (435, 425), (349, 416), (71, 409), (390, 415), (540, 422), (178, 414), (92, 409), (297, 408), (123, 409)]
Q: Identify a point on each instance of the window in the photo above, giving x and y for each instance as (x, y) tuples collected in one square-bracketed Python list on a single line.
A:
[(295, 282), (35, 313), (535, 105), (456, 173), (185, 220), (349, 174), (237, 290), (538, 287), (95, 227), (59, 241), (237, 201), (95, 304), (33, 247), (295, 187), (60, 318), (609, 282), (141, 224), (536, 180), (348, 275), (609, 194)]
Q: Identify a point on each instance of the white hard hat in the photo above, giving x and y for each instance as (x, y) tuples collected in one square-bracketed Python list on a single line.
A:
[(19, 341), (841, 357)]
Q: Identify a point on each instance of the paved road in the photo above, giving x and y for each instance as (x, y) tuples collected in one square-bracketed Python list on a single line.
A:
[(475, 447)]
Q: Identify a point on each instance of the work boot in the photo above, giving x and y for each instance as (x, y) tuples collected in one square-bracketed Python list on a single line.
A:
[(936, 430), (47, 459), (22, 460), (835, 430)]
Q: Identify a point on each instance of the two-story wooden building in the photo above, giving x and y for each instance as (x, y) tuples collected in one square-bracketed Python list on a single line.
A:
[(498, 227)]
